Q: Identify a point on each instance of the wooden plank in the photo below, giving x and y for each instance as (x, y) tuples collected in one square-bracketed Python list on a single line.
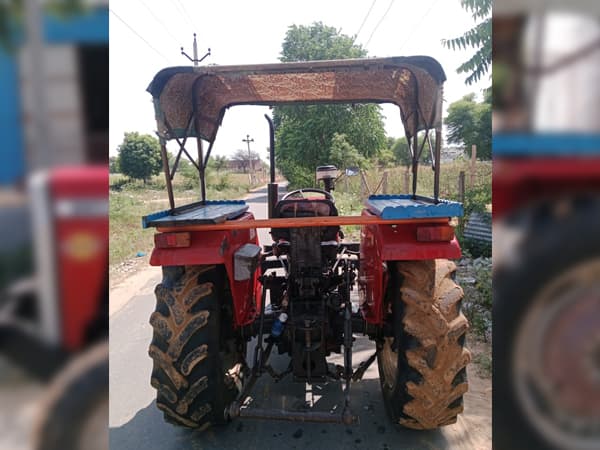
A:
[(297, 222)]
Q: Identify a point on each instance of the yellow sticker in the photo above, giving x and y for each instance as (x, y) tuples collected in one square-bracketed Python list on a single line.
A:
[(81, 246)]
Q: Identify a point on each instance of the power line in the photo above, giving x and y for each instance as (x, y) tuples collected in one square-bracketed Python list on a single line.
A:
[(139, 35), (365, 19), (417, 25), (380, 21), (186, 15), (178, 42)]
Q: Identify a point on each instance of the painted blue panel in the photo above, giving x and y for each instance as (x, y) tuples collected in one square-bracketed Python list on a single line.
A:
[(89, 27), (12, 160), (553, 144), (409, 207), (214, 211)]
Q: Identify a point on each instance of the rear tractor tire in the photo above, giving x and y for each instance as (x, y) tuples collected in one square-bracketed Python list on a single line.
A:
[(424, 377), (198, 364)]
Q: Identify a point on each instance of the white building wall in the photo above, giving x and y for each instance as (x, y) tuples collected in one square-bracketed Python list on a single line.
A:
[(65, 141)]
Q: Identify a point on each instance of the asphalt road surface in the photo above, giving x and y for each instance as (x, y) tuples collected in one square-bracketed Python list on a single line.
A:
[(136, 423)]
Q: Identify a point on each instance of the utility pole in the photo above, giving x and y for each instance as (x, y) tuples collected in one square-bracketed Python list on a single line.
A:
[(195, 59), (250, 162)]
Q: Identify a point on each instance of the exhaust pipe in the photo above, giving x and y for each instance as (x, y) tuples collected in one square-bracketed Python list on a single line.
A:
[(273, 188)]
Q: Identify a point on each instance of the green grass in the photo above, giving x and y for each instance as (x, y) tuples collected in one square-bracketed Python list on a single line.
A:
[(130, 200), (449, 175), (484, 364)]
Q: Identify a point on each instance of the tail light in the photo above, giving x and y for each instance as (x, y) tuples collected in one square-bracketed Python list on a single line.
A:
[(172, 240), (440, 233)]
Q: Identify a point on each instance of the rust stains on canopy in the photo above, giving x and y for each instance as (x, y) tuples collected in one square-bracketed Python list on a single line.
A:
[(192, 100)]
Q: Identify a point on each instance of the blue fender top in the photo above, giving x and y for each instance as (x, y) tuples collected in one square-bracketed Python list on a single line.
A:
[(412, 207)]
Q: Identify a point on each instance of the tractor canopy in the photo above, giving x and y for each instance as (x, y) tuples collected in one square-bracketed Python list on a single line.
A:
[(191, 101)]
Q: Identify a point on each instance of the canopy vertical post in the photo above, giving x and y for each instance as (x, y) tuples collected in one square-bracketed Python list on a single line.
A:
[(201, 169), (436, 168), (167, 171), (415, 161)]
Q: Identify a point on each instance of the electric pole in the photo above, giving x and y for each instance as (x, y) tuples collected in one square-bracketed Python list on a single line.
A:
[(195, 59), (250, 162)]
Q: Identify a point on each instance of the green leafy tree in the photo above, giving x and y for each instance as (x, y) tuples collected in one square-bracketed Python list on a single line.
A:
[(305, 133), (218, 163), (402, 155), (470, 122), (113, 164), (401, 152), (139, 156), (386, 158), (479, 38), (343, 154)]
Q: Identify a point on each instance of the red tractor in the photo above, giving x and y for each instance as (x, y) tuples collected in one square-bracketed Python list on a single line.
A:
[(55, 323), (220, 288), (546, 189)]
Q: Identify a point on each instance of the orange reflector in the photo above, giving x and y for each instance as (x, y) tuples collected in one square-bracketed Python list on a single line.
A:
[(436, 233), (172, 240)]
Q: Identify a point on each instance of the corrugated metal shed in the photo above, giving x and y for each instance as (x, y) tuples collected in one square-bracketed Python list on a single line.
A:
[(479, 227)]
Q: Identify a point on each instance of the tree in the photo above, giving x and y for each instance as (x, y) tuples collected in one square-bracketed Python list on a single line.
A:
[(305, 133), (470, 122), (343, 154), (479, 37), (113, 164), (218, 163), (139, 156), (247, 159), (402, 154)]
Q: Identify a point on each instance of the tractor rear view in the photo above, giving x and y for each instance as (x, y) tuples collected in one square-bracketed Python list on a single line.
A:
[(297, 294)]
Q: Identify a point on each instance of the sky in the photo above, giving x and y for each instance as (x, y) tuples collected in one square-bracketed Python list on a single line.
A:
[(146, 36)]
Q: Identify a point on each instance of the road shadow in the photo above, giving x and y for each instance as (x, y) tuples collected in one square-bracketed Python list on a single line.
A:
[(147, 430)]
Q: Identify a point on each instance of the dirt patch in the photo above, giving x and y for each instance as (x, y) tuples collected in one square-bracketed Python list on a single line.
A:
[(118, 273), (140, 280)]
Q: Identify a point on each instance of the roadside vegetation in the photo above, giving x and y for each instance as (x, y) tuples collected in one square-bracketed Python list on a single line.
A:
[(132, 199)]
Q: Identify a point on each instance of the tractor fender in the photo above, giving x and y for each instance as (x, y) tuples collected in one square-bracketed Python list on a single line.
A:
[(381, 244), (219, 248)]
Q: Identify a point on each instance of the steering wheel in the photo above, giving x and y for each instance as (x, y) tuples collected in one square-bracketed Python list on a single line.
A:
[(299, 193)]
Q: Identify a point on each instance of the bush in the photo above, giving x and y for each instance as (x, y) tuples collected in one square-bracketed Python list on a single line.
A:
[(477, 248), (119, 184), (477, 305), (223, 183)]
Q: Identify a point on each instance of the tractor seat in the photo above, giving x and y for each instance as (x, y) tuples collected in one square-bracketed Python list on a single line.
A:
[(305, 208)]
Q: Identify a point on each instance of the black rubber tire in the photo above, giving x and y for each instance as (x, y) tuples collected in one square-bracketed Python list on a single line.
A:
[(198, 364), (72, 399), (423, 382), (554, 242)]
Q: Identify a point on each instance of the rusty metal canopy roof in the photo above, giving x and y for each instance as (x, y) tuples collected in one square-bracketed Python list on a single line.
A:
[(191, 101)]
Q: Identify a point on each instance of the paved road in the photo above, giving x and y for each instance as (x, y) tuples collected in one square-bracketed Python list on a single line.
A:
[(136, 423)]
